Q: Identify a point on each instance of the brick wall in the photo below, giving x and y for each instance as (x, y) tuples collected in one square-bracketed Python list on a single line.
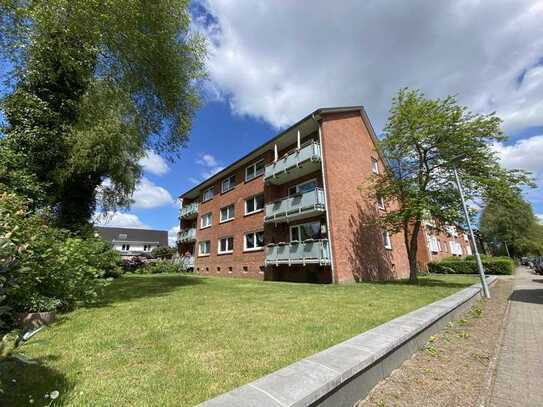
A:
[(358, 247)]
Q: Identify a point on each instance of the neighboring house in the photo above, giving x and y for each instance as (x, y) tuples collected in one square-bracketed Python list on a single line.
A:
[(132, 242), (292, 208), (437, 242)]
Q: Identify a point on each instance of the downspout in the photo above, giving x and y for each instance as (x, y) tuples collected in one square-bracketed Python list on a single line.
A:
[(324, 187)]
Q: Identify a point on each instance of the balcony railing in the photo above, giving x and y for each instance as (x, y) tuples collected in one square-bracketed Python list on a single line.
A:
[(186, 235), (186, 262), (306, 252), (294, 164), (189, 211), (299, 206)]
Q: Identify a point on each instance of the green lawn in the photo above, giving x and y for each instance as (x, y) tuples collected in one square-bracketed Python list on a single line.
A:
[(176, 340)]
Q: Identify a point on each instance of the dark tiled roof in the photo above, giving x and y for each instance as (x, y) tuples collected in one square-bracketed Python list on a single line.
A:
[(133, 235)]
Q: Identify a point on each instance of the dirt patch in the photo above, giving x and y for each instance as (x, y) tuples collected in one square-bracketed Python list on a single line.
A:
[(455, 366)]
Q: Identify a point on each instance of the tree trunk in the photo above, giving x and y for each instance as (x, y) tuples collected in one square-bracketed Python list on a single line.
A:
[(411, 244)]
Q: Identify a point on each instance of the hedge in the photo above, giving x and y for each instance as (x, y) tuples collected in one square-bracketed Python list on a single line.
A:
[(497, 266)]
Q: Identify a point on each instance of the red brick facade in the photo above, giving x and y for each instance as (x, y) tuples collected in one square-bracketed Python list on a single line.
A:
[(355, 247), (446, 242)]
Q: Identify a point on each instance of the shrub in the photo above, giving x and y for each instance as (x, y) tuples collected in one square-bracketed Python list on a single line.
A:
[(498, 266), (161, 266), (164, 252), (45, 268)]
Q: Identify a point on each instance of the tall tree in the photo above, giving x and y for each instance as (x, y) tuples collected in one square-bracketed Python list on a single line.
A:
[(423, 139), (96, 83), (510, 220)]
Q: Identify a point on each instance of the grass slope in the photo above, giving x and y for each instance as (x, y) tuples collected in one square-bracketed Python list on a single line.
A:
[(177, 340)]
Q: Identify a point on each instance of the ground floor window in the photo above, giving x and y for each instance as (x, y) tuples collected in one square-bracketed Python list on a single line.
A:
[(125, 247), (204, 248), (386, 238), (254, 240), (226, 245)]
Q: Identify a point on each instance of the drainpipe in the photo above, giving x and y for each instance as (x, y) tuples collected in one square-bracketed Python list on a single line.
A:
[(324, 187)]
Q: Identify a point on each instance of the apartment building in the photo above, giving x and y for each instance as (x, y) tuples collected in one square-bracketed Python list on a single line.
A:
[(292, 208), (437, 242)]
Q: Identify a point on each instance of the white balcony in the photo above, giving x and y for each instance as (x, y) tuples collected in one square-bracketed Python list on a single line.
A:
[(186, 235), (189, 211), (306, 252), (295, 164), (294, 207)]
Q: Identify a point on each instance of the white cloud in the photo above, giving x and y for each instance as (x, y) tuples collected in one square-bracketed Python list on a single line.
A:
[(280, 63), (207, 160), (526, 154), (211, 172), (148, 195), (154, 163), (540, 217), (172, 235), (118, 219)]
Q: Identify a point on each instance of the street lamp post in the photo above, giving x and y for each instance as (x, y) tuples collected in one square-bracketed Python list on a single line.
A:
[(486, 292)]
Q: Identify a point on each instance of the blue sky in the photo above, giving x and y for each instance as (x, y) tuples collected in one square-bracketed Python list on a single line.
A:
[(270, 63)]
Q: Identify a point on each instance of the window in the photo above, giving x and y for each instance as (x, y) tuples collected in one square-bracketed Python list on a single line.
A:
[(228, 183), (254, 241), (374, 166), (204, 248), (254, 204), (303, 187), (125, 248), (146, 247), (227, 213), (123, 236), (226, 245), (380, 202), (386, 238), (205, 221), (254, 170), (207, 195), (305, 231)]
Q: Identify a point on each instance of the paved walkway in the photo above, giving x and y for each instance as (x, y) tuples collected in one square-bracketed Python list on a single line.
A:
[(519, 376)]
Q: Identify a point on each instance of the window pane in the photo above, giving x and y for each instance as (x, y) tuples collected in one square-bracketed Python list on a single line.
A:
[(223, 245), (230, 242), (259, 201), (310, 231), (250, 240), (259, 239), (250, 205), (249, 172), (308, 186), (294, 233), (292, 190), (259, 168)]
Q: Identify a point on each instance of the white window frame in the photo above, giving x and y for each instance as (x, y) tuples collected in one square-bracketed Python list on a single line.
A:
[(211, 191), (386, 239), (252, 249), (298, 226), (230, 183), (381, 203), (228, 251), (233, 214), (253, 198), (253, 167), (200, 253), (374, 166), (297, 186), (205, 216)]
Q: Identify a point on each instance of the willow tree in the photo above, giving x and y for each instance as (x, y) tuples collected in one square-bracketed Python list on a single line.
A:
[(423, 140), (95, 84)]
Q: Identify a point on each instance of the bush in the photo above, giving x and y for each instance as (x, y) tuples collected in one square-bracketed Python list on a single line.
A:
[(497, 266), (164, 252), (161, 266), (45, 268)]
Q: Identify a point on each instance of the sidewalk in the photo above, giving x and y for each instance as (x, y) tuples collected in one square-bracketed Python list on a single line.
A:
[(519, 371)]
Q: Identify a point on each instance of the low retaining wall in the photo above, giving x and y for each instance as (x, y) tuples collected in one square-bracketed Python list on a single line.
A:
[(345, 373)]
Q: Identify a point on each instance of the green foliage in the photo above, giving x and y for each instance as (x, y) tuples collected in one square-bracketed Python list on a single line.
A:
[(423, 139), (164, 252), (509, 219), (45, 268), (492, 265), (92, 90), (161, 266)]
